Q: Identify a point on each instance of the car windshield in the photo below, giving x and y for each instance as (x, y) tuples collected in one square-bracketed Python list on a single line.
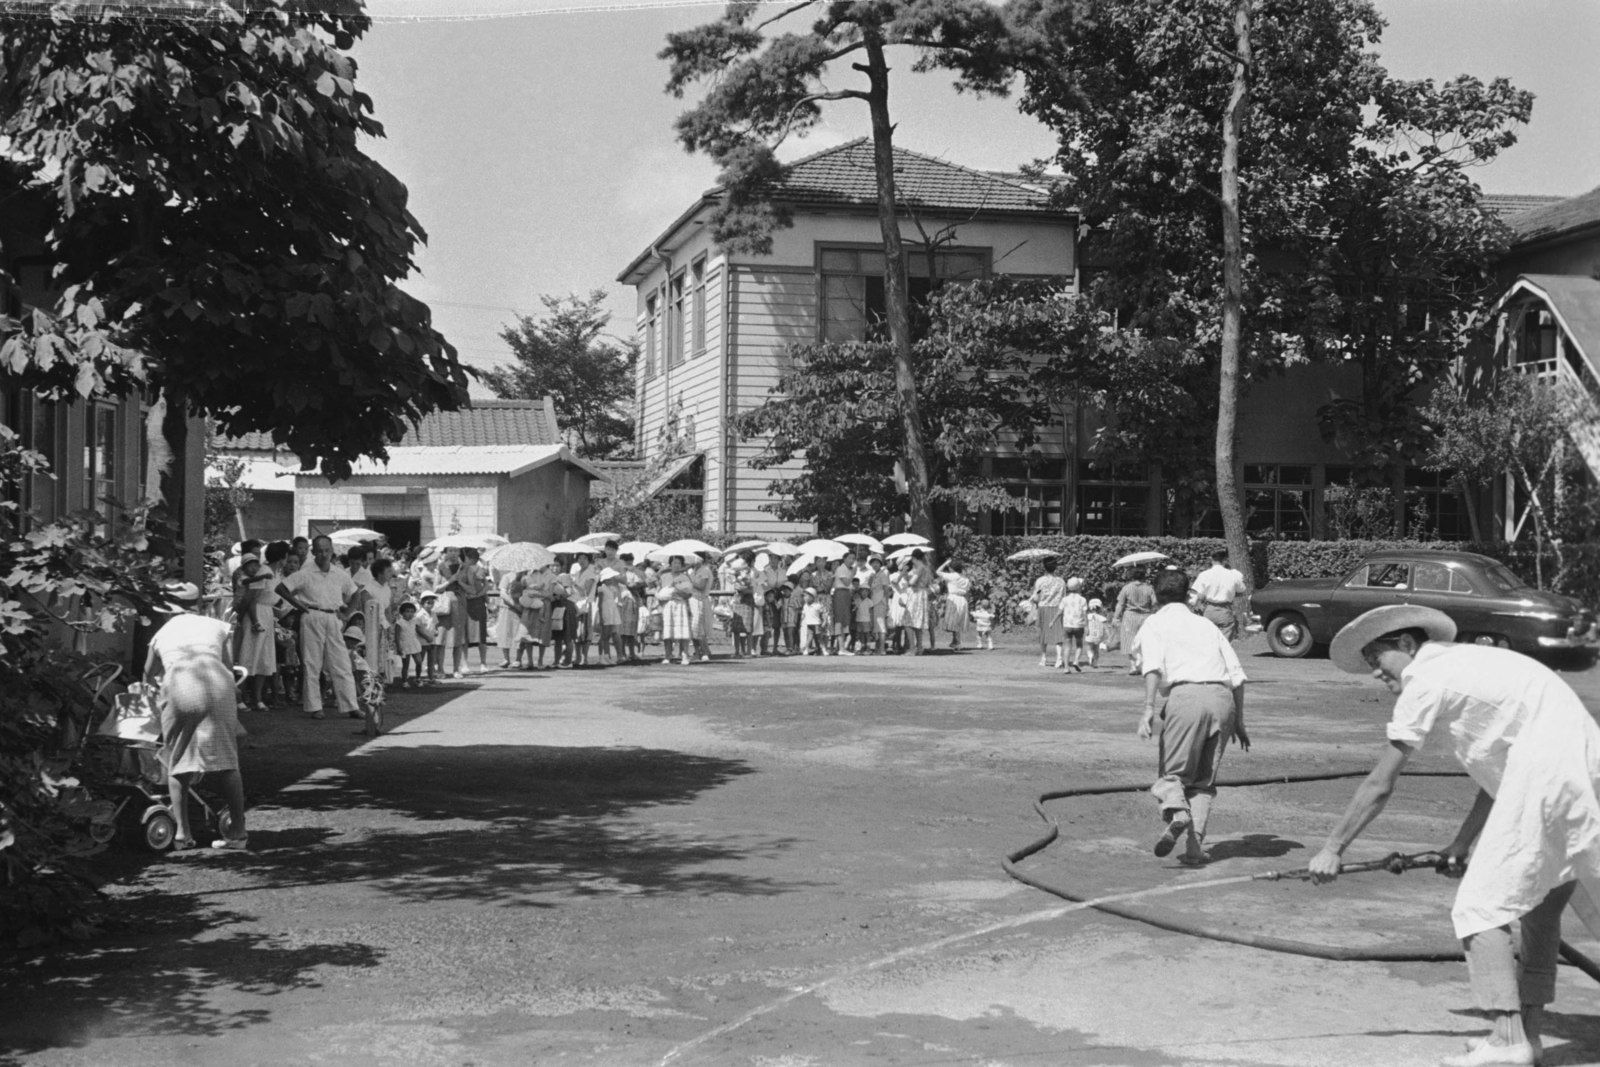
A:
[(1502, 579)]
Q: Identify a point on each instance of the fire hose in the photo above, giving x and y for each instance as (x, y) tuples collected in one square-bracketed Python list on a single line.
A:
[(1395, 863)]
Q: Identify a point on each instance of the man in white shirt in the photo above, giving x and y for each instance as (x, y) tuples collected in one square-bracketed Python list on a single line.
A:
[(1218, 589), (1524, 736), (320, 593), (1189, 664)]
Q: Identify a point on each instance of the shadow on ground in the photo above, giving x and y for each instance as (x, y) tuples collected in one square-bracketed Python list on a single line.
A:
[(501, 824), (164, 980)]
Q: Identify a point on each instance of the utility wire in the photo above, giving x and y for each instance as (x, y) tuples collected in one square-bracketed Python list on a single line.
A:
[(54, 10)]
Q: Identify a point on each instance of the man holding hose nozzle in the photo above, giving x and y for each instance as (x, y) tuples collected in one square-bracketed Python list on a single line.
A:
[(1524, 736)]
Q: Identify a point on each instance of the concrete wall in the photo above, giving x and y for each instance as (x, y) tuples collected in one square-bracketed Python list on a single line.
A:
[(435, 500)]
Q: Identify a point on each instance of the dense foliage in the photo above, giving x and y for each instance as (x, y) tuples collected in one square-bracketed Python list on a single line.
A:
[(63, 582), (567, 355), (216, 230), (1365, 238)]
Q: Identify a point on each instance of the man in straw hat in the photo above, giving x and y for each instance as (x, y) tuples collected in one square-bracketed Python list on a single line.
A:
[(1523, 735)]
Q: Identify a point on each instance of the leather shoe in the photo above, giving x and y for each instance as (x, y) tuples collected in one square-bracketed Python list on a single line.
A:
[(1175, 829)]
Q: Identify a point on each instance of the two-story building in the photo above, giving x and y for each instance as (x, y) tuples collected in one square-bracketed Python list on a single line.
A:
[(716, 330)]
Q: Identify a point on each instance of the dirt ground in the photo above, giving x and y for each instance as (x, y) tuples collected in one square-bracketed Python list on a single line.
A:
[(775, 863)]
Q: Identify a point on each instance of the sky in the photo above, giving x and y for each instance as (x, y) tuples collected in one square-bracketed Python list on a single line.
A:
[(539, 152)]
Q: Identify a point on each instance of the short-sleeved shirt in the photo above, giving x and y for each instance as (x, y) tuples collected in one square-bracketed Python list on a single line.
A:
[(1048, 590), (1185, 648), (323, 590), (1219, 585)]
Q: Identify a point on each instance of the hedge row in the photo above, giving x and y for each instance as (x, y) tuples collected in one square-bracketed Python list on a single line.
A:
[(1006, 584)]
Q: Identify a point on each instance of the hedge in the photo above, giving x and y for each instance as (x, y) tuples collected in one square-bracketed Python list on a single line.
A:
[(1006, 584)]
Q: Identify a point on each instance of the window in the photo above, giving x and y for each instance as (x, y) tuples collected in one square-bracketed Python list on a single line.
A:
[(651, 320), (1277, 501), (1434, 507), (676, 309), (1039, 480), (100, 460), (854, 301), (697, 301), (1388, 576), (1112, 500)]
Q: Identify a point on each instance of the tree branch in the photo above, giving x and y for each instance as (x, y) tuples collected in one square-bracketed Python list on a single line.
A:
[(785, 13)]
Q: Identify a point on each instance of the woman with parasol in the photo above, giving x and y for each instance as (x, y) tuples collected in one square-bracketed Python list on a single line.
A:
[(1135, 603)]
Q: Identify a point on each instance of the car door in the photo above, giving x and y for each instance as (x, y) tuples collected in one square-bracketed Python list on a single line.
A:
[(1371, 585), (1448, 587)]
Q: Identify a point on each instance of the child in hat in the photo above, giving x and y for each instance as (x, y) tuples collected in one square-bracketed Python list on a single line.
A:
[(983, 622), (408, 643), (1094, 631), (369, 690), (811, 624), (608, 610), (428, 633)]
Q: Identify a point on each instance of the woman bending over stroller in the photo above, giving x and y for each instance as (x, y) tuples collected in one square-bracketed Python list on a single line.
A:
[(191, 660)]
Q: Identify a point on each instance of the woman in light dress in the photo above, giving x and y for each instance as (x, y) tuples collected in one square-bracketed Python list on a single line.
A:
[(374, 601), (957, 588), (191, 662), (1048, 592), (676, 595), (257, 621), (1136, 601)]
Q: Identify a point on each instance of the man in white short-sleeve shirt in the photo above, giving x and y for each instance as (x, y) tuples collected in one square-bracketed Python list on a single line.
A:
[(1189, 665), (1218, 589), (1526, 739), (320, 593)]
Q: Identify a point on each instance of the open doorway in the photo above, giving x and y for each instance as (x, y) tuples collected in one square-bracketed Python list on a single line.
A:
[(401, 533)]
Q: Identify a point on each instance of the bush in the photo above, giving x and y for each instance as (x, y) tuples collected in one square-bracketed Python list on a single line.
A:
[(57, 580)]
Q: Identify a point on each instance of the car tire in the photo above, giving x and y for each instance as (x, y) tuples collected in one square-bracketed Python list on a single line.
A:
[(1289, 637)]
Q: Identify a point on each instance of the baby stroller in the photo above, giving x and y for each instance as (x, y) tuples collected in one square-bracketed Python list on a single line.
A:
[(121, 762)]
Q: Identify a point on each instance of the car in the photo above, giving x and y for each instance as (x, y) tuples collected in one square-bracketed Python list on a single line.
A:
[(1488, 603)]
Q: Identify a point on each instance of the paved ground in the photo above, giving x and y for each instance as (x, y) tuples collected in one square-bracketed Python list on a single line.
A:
[(775, 862)]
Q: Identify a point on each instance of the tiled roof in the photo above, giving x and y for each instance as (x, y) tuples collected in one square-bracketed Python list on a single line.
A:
[(486, 422), (513, 460), (1504, 205), (845, 175), (1552, 220)]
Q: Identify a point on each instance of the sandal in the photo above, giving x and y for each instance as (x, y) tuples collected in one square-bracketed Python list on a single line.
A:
[(183, 844)]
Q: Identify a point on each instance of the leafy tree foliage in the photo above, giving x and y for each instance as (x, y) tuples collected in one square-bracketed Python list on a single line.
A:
[(1364, 237), (567, 356), (977, 382), (77, 575), (763, 89), (218, 233)]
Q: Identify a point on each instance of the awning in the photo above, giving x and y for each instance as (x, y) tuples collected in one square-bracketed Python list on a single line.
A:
[(669, 472)]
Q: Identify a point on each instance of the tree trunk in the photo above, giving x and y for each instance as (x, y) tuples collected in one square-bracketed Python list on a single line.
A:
[(897, 294), (171, 486), (1228, 499)]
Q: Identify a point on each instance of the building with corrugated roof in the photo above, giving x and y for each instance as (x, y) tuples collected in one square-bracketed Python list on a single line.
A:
[(498, 466)]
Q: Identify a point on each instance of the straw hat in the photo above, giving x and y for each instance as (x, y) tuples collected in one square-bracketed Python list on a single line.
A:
[(1365, 629), (181, 594), (353, 633), (1074, 584)]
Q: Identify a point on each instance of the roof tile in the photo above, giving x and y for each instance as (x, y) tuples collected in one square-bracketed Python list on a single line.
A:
[(486, 422), (1574, 213), (846, 175)]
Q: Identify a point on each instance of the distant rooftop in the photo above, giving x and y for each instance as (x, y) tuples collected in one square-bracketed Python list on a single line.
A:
[(487, 423), (1556, 218), (1507, 204)]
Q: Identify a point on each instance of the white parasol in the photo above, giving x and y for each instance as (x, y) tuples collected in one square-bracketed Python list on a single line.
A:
[(1032, 553), (519, 556), (355, 533), (600, 538), (687, 547), (901, 539), (823, 548), (1140, 557), (571, 548), (871, 544), (800, 563), (745, 546), (903, 553), (783, 549), (637, 550), (462, 540)]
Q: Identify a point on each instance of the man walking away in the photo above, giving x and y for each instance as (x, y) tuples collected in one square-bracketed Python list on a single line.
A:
[(1218, 589), (1189, 665)]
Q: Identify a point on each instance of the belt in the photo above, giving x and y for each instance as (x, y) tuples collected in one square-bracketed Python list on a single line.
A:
[(326, 611), (1220, 603)]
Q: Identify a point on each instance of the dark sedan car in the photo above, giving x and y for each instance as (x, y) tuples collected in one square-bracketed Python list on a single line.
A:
[(1490, 605)]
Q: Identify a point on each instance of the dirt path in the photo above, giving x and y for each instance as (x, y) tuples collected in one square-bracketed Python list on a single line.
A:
[(776, 862)]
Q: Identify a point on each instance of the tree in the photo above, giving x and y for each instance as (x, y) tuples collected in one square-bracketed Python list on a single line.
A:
[(762, 91), (839, 407), (1518, 428), (1351, 185), (220, 240), (565, 355)]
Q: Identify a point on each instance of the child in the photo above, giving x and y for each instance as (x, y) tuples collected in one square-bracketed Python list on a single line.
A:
[(445, 622), (1094, 631), (287, 632), (792, 606), (369, 690), (771, 621), (408, 644), (432, 640), (811, 625), (983, 621), (862, 632), (1074, 617)]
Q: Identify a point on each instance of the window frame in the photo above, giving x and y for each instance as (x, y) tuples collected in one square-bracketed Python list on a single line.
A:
[(652, 310), (912, 253), (1111, 477), (697, 306)]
